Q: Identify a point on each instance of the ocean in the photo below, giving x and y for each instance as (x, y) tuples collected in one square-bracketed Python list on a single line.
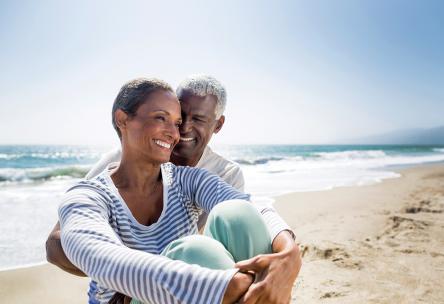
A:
[(33, 179)]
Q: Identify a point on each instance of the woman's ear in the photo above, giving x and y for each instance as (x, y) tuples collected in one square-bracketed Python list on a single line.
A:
[(121, 119)]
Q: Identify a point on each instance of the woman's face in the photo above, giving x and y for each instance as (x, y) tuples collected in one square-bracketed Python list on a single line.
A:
[(154, 131)]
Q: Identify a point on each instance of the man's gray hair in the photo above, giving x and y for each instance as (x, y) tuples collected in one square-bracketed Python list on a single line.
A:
[(203, 85)]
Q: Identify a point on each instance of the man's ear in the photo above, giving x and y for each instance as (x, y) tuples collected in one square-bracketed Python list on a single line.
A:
[(219, 124), (121, 119)]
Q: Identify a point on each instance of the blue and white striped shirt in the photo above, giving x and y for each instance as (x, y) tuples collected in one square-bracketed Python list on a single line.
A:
[(103, 239)]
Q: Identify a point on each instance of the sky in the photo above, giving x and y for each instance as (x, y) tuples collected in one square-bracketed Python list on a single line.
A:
[(296, 72)]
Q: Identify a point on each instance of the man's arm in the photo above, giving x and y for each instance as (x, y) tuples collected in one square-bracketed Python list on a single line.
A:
[(55, 254), (236, 178)]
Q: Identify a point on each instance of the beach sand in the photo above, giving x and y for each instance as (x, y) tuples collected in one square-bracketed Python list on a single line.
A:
[(382, 243), (42, 284)]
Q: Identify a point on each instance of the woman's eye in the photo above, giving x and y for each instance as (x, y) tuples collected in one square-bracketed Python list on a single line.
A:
[(161, 118)]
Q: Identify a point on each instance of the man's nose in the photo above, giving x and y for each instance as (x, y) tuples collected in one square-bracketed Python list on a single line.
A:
[(185, 126)]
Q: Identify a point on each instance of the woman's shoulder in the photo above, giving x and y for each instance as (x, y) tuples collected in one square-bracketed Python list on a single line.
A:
[(172, 173), (93, 190)]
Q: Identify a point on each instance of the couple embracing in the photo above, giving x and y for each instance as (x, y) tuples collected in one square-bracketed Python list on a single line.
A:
[(132, 225)]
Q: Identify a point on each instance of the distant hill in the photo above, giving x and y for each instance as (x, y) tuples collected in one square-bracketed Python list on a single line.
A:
[(434, 136)]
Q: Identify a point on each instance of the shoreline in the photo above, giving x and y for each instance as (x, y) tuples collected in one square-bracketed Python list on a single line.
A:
[(381, 242), (24, 266)]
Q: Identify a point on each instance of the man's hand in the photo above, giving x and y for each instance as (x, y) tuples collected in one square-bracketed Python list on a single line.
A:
[(55, 254), (275, 273)]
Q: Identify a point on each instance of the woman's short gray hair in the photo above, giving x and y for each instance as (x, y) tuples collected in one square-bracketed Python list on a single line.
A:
[(203, 85)]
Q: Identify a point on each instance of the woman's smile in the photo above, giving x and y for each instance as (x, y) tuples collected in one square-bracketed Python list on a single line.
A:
[(162, 144)]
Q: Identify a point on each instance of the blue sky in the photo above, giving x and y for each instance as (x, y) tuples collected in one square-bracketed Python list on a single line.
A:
[(296, 71)]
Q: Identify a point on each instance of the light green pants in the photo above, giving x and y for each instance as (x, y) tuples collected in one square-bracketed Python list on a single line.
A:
[(235, 231)]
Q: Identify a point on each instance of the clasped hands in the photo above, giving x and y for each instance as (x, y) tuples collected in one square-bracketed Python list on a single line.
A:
[(274, 275)]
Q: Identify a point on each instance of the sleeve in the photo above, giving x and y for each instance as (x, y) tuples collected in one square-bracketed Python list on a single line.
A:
[(110, 157), (275, 223), (92, 245), (207, 190), (235, 177)]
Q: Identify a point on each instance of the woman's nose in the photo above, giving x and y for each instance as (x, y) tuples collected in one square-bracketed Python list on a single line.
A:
[(173, 131)]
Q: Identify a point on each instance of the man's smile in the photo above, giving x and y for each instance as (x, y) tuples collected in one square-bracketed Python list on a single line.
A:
[(186, 139)]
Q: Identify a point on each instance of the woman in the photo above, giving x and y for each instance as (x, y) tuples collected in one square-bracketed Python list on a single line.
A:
[(133, 228)]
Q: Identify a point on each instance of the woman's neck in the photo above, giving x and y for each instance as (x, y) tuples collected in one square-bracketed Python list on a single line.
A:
[(134, 173)]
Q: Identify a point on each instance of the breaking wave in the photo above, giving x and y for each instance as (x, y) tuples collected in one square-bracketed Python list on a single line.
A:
[(8, 175), (257, 161)]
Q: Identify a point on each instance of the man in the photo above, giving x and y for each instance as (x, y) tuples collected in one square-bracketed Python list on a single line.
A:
[(203, 101)]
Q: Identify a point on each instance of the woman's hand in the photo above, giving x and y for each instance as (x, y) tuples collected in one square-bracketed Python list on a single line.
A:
[(275, 273), (237, 287)]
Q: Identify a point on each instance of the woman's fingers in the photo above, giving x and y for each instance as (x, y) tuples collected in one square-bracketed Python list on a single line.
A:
[(255, 264), (253, 294)]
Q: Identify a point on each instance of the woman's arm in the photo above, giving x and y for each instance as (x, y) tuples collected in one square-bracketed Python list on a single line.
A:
[(92, 245), (237, 287), (277, 269), (207, 190)]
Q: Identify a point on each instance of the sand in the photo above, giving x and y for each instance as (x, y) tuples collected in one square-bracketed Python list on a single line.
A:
[(373, 244), (382, 243), (42, 284)]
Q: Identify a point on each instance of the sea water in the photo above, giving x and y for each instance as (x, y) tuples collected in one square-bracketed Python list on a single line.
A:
[(34, 178)]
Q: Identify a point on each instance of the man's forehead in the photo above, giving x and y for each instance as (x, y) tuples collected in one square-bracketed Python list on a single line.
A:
[(187, 94), (207, 102)]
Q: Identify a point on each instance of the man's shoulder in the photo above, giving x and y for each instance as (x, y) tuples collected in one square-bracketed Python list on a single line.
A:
[(215, 161), (111, 156), (227, 169)]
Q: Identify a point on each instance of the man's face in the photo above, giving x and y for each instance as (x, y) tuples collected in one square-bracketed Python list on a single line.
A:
[(198, 125)]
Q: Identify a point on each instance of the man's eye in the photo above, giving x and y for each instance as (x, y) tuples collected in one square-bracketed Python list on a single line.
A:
[(198, 119), (178, 124)]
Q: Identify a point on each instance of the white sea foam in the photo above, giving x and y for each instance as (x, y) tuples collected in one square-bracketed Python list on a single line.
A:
[(353, 154), (27, 215), (28, 175), (327, 170)]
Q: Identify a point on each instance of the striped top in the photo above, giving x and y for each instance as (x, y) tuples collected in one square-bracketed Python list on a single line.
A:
[(103, 239)]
